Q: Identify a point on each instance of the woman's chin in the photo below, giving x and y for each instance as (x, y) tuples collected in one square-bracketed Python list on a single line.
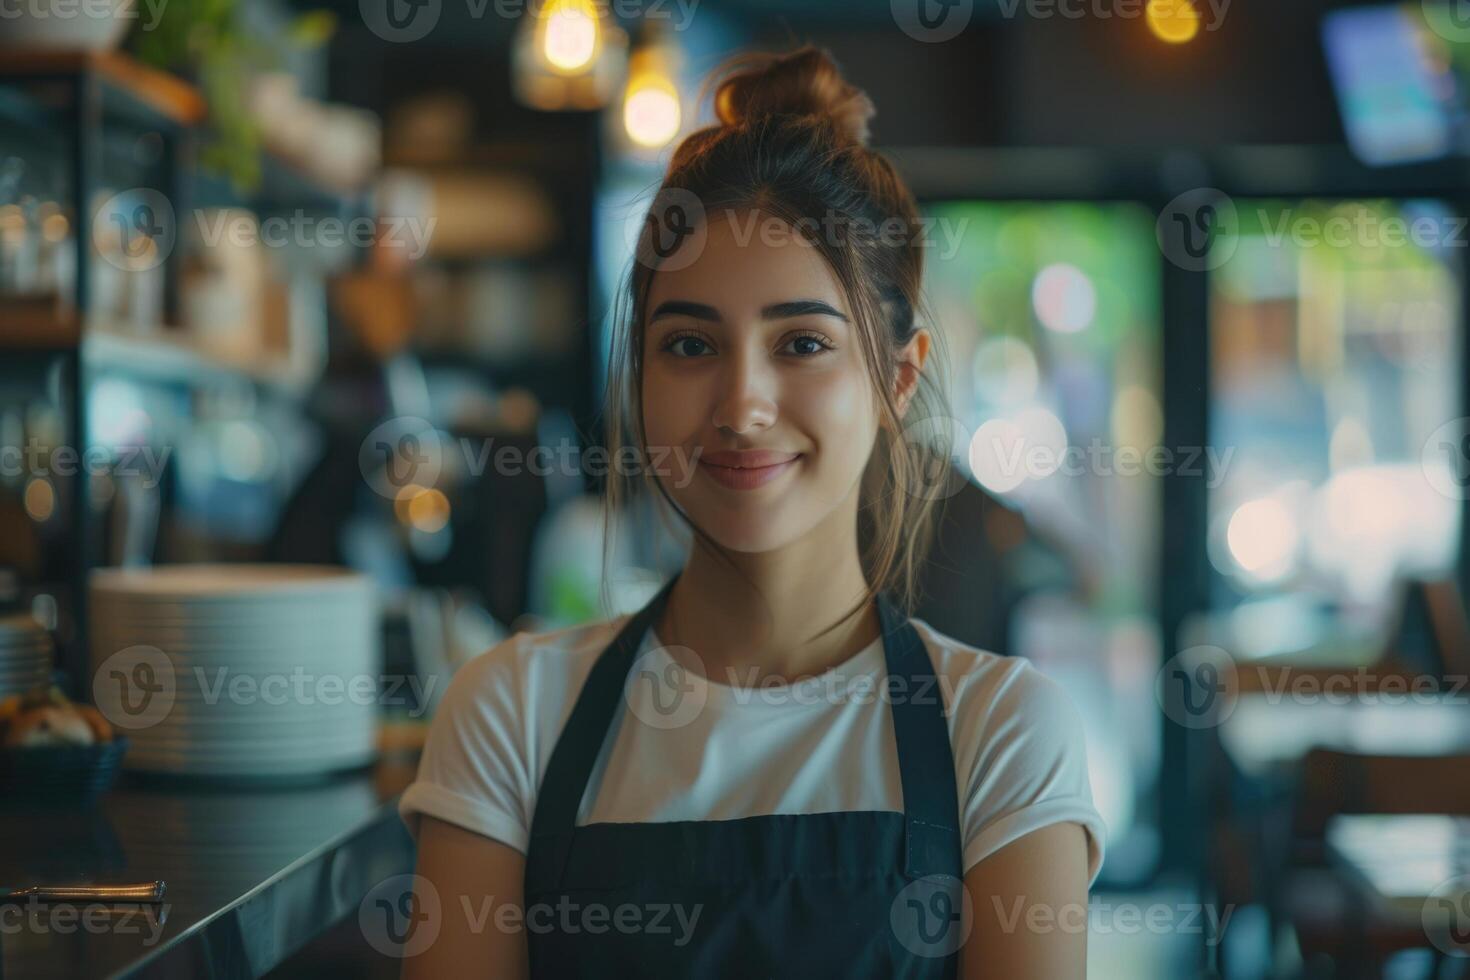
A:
[(749, 533)]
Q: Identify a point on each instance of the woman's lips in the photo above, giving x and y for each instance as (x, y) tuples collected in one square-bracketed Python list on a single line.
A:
[(746, 471)]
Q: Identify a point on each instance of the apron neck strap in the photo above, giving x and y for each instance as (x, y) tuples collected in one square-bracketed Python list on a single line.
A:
[(925, 758)]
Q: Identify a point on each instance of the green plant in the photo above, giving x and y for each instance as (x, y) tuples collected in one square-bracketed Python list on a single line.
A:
[(207, 41)]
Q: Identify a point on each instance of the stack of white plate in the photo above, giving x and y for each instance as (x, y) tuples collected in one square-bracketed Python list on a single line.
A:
[(238, 670), (25, 655)]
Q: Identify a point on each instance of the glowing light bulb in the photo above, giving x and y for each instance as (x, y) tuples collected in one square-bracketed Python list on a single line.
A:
[(651, 113), (1172, 21), (570, 35)]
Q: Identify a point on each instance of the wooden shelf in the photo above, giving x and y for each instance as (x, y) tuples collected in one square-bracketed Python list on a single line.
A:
[(169, 96), (163, 355), (37, 324), (176, 359)]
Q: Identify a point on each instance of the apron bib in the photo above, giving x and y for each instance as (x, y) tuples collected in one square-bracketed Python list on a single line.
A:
[(857, 894)]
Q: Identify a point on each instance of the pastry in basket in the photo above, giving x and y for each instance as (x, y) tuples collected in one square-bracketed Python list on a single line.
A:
[(43, 718)]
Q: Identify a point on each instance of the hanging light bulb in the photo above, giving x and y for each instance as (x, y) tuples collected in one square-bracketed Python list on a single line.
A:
[(568, 35), (568, 55), (1172, 21), (651, 110)]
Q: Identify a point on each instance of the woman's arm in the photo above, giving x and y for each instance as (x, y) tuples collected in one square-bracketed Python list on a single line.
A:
[(1030, 908), (479, 884)]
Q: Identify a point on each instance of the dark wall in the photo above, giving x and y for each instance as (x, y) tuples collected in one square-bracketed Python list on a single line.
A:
[(1258, 77)]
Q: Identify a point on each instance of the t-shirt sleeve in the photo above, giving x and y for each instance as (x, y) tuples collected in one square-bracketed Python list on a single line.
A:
[(1027, 768), (474, 771)]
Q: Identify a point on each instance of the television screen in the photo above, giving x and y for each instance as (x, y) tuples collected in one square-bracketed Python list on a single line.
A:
[(1399, 71)]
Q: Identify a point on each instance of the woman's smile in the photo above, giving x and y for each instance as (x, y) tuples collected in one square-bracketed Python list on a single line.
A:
[(747, 470)]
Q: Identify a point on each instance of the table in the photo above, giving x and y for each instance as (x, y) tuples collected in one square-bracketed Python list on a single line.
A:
[(1266, 738), (1404, 860), (252, 874)]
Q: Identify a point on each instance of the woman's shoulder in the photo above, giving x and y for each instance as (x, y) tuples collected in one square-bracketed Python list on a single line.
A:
[(990, 687), (536, 659)]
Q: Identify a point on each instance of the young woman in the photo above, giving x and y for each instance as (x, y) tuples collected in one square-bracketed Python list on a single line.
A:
[(768, 771)]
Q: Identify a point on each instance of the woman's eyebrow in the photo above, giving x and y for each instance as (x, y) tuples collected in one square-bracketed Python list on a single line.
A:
[(776, 311), (801, 307)]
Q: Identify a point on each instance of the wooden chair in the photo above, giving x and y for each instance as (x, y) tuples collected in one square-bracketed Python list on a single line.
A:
[(1326, 909)]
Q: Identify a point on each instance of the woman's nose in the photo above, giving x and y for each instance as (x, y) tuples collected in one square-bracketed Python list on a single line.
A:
[(746, 399)]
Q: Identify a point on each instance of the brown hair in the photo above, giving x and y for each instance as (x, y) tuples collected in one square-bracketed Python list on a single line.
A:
[(792, 142)]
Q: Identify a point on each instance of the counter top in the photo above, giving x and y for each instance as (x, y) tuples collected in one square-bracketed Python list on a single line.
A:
[(252, 874)]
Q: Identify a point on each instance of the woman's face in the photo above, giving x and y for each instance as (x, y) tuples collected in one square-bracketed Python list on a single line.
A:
[(753, 372)]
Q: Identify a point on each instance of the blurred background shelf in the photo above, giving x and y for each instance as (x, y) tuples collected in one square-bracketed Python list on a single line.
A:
[(125, 86)]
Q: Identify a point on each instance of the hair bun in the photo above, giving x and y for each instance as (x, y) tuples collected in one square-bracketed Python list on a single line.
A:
[(804, 82)]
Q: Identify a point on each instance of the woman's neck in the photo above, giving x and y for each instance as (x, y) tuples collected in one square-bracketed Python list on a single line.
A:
[(787, 614)]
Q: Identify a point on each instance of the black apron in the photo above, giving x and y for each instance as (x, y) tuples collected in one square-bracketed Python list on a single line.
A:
[(860, 894)]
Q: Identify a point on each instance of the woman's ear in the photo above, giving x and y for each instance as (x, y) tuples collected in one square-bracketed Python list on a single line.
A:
[(910, 366)]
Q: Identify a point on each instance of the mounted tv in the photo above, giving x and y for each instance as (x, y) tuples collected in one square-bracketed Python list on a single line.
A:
[(1401, 73)]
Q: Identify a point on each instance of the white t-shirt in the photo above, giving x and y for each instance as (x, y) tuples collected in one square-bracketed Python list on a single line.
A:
[(732, 750)]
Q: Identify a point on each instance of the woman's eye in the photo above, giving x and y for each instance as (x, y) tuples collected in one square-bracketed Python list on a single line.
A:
[(807, 345), (686, 346)]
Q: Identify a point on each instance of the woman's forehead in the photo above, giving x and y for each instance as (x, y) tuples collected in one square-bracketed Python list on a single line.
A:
[(746, 260)]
